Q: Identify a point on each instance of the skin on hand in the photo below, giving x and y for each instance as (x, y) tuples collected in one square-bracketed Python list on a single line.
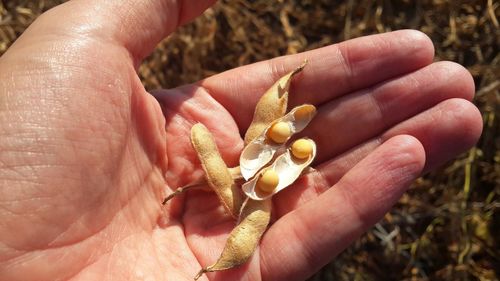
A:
[(86, 153)]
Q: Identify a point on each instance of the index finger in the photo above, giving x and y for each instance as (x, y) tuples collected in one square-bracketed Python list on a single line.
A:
[(332, 71)]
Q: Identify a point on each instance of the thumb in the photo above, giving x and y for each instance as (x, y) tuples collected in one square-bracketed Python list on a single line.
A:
[(137, 25)]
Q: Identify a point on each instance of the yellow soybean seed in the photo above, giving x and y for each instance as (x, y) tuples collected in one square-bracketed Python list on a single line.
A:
[(271, 106), (268, 181), (242, 241), (302, 148), (218, 175), (279, 132)]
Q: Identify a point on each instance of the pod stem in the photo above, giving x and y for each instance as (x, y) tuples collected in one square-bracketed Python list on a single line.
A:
[(300, 67), (235, 173), (183, 189), (200, 273)]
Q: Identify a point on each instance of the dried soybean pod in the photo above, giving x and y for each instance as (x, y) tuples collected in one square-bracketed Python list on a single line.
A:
[(201, 184), (242, 241), (272, 105), (218, 175)]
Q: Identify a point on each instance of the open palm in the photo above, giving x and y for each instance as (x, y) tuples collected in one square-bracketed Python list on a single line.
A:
[(87, 155)]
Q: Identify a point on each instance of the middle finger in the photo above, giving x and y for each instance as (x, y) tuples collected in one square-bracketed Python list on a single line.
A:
[(350, 120)]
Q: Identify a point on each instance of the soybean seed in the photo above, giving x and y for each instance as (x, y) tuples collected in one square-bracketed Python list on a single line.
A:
[(302, 148), (268, 181), (279, 132)]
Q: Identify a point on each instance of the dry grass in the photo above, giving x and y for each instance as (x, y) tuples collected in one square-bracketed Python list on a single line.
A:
[(448, 225)]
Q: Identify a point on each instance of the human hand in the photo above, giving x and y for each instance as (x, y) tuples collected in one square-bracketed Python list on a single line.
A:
[(86, 152)]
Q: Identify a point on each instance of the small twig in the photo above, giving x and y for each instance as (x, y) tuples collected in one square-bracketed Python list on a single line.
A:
[(378, 19), (452, 37), (348, 19), (200, 273), (183, 189), (489, 88), (491, 13)]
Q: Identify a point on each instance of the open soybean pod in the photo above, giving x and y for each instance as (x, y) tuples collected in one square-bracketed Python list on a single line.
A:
[(272, 105), (218, 175), (242, 241), (261, 150), (282, 172)]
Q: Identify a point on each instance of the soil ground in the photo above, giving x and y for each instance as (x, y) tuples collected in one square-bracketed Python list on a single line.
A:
[(447, 227)]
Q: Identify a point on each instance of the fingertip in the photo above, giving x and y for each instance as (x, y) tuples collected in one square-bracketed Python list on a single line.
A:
[(451, 127), (406, 151), (468, 122), (460, 81), (474, 125), (422, 44)]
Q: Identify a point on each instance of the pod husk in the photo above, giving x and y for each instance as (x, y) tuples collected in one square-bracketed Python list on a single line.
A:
[(288, 169), (260, 151), (219, 177), (272, 105), (243, 240), (201, 185)]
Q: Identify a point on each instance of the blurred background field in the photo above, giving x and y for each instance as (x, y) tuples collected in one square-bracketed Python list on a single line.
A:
[(447, 227)]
